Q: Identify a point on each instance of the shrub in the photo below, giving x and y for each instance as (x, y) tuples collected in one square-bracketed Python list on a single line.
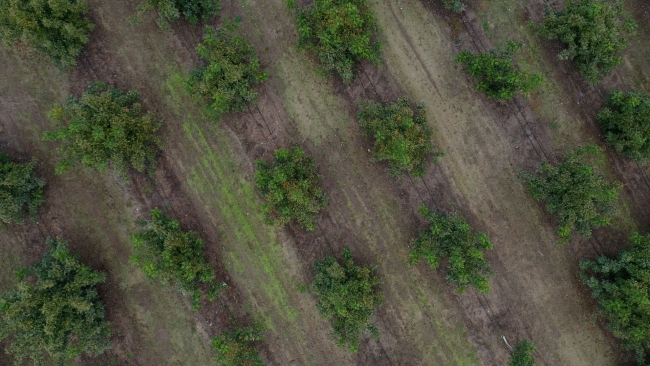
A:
[(449, 236), (626, 124), (520, 355), (105, 128), (19, 187), (56, 28), (191, 10), (498, 77), (290, 187), (592, 32), (59, 314), (227, 81), (579, 197), (340, 32), (621, 288), (457, 6), (237, 348), (165, 252), (402, 137), (347, 295)]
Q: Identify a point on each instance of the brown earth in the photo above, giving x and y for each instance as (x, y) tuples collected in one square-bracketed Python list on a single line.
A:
[(204, 179)]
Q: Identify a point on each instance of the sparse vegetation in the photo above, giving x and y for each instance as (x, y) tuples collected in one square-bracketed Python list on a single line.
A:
[(58, 316), (626, 124), (341, 34), (521, 354), (621, 288), (191, 10), (347, 295), (237, 348), (578, 196), (19, 188), (449, 236), (103, 128), (402, 137), (592, 31), (227, 80), (57, 28), (289, 185), (165, 252), (498, 77)]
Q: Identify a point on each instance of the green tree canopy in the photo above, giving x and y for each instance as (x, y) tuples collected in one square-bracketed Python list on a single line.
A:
[(457, 6), (592, 31), (19, 187), (626, 124), (57, 28), (165, 252), (191, 10), (521, 354), (402, 137), (232, 69), (347, 294), (578, 196), (449, 236), (497, 76), (289, 185), (105, 128), (621, 287), (59, 315), (237, 348), (340, 32)]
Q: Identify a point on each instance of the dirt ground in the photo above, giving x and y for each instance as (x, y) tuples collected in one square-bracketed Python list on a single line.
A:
[(204, 178)]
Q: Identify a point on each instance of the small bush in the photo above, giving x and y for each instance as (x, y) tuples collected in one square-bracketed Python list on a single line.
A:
[(347, 295), (237, 348), (232, 69), (579, 197), (592, 32), (290, 187), (165, 252), (191, 10), (621, 288), (457, 6), (520, 355), (498, 77), (340, 32), (402, 137), (626, 124), (59, 315), (105, 128), (56, 28), (449, 236), (19, 187)]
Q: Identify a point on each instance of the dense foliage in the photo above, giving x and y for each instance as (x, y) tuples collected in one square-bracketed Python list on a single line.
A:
[(347, 294), (19, 187), (521, 356), (621, 288), (165, 252), (626, 124), (237, 348), (578, 196), (592, 31), (402, 137), (56, 28), (340, 32), (227, 80), (59, 315), (105, 128), (289, 185), (457, 6), (192, 10), (498, 77), (449, 236)]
